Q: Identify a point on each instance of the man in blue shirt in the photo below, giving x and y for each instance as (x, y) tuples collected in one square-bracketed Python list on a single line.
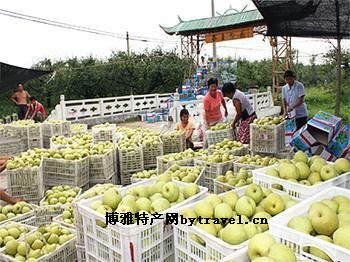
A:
[(293, 94)]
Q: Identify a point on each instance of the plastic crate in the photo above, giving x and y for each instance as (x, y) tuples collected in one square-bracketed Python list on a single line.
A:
[(163, 165), (197, 181), (298, 190), (101, 167), (104, 134), (58, 219), (173, 144), (26, 219), (211, 171), (123, 242), (25, 182), (297, 240), (46, 214), (53, 129), (216, 136), (214, 249), (130, 161), (77, 129), (66, 252), (35, 143), (150, 155), (11, 146), (65, 172), (239, 151), (220, 187), (30, 228), (237, 166), (267, 139), (81, 256), (242, 256)]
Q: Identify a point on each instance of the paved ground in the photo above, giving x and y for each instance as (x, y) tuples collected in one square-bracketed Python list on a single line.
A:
[(140, 124)]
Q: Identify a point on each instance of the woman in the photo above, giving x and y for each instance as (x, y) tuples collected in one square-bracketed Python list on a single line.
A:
[(212, 102), (186, 126), (293, 95), (245, 113)]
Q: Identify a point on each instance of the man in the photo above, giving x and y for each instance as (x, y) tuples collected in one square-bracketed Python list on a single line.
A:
[(293, 94), (36, 111), (20, 98)]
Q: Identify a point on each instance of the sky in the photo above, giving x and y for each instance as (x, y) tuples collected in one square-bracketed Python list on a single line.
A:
[(25, 43)]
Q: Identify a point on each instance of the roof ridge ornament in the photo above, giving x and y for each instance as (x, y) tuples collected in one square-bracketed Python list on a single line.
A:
[(180, 20)]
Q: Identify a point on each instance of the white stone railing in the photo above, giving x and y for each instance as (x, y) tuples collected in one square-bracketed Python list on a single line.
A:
[(104, 107), (74, 110), (261, 102)]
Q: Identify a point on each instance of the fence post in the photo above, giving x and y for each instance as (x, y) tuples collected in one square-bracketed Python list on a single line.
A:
[(132, 103), (157, 101), (176, 105), (63, 107), (100, 104)]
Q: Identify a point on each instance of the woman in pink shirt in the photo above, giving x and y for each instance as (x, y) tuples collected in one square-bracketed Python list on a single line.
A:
[(212, 106)]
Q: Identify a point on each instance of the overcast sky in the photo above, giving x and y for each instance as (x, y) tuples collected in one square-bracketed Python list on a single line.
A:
[(24, 43)]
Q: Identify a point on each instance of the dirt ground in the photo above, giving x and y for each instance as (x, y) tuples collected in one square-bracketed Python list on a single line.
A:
[(141, 124)]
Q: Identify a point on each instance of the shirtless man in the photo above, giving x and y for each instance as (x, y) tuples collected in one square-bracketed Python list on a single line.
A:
[(20, 98)]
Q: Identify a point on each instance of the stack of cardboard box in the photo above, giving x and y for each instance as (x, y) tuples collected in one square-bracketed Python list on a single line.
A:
[(323, 135)]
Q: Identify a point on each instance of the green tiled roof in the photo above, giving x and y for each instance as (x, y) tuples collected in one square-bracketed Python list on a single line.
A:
[(205, 25)]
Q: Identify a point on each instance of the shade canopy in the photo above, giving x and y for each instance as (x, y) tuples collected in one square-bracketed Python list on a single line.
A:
[(306, 18), (11, 75)]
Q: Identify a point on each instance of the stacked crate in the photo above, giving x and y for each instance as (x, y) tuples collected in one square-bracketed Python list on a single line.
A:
[(54, 128)]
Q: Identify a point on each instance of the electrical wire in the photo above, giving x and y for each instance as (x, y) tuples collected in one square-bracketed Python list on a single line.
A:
[(79, 28)]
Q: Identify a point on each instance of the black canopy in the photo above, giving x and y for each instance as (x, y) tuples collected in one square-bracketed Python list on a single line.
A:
[(306, 18), (11, 75)]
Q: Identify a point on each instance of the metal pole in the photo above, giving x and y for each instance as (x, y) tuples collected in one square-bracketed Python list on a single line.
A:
[(338, 59), (214, 44), (127, 43)]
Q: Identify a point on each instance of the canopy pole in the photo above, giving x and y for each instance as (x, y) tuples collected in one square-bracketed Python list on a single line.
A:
[(338, 58), (338, 80)]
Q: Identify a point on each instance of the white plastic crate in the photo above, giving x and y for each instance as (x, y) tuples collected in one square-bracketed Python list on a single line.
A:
[(173, 144), (267, 139), (130, 161), (239, 151), (220, 187), (77, 129), (30, 228), (53, 129), (150, 155), (101, 167), (295, 189), (58, 219), (103, 134), (197, 181), (242, 256), (26, 219), (46, 213), (35, 143), (78, 220), (214, 249), (66, 252), (26, 183), (216, 136), (65, 172), (297, 240), (163, 165), (11, 146), (121, 242), (81, 256), (211, 171)]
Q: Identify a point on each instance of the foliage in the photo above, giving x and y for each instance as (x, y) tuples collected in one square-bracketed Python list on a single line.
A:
[(160, 71)]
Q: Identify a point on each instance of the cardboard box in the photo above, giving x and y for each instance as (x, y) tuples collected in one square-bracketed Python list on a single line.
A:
[(290, 125), (288, 138), (340, 143), (323, 127), (321, 151), (302, 139)]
